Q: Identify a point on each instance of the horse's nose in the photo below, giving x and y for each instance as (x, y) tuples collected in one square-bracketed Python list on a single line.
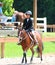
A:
[(20, 39)]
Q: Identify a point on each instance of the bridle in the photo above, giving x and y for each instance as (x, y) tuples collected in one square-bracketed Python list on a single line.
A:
[(22, 38)]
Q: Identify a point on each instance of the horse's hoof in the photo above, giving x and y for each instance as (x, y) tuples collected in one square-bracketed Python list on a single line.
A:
[(22, 62), (41, 59), (30, 61), (26, 62)]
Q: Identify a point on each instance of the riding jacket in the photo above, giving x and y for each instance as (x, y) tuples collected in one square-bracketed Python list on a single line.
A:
[(27, 25)]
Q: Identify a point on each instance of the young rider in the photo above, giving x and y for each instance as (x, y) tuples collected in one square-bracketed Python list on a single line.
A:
[(27, 25)]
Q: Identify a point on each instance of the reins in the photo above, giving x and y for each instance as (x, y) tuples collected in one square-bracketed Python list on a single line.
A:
[(24, 37)]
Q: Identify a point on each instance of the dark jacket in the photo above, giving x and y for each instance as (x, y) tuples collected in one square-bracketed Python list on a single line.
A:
[(28, 25)]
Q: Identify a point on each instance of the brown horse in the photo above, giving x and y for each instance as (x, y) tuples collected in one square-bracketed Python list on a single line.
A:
[(20, 16), (26, 43)]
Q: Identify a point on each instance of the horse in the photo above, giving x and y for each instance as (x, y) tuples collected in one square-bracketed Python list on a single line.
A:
[(20, 16), (26, 43)]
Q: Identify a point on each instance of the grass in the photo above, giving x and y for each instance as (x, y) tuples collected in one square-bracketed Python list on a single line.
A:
[(49, 34), (13, 50), (49, 47)]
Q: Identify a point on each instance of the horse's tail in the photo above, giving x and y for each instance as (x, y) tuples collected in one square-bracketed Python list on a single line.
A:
[(39, 50)]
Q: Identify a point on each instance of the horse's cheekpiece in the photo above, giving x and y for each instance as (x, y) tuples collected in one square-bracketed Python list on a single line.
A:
[(19, 40)]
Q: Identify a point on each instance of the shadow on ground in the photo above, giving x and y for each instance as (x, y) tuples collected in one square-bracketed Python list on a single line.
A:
[(23, 64)]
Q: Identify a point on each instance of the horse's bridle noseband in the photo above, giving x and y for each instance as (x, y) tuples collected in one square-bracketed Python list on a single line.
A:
[(23, 38)]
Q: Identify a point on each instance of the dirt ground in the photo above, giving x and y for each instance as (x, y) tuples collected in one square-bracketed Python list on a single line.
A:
[(47, 60)]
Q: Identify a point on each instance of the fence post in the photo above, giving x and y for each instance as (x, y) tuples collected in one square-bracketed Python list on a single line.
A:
[(2, 49), (2, 41), (45, 24)]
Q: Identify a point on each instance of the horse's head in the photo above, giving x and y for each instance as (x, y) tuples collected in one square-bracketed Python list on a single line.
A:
[(22, 35)]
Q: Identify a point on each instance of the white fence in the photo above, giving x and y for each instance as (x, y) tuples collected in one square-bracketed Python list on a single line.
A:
[(42, 26)]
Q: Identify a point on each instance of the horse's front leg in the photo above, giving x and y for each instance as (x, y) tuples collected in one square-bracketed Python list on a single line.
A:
[(24, 57)]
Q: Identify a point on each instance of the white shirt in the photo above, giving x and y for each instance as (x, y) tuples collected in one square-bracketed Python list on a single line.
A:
[(27, 20)]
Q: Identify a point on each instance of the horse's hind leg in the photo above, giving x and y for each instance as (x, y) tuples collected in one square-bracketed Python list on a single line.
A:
[(32, 50), (39, 48)]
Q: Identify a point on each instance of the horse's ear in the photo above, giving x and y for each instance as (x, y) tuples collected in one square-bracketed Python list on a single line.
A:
[(23, 29)]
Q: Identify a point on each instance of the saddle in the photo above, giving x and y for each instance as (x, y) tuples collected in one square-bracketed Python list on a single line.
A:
[(32, 37)]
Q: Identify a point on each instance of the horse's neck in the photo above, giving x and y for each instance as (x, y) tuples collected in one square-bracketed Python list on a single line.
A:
[(27, 35)]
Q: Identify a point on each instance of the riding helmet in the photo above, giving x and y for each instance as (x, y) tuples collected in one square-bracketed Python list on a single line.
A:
[(28, 12)]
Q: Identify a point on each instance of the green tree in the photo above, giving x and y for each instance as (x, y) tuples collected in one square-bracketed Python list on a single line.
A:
[(7, 7), (23, 5), (46, 8)]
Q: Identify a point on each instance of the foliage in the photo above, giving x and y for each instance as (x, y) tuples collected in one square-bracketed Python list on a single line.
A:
[(7, 7), (23, 5), (46, 8)]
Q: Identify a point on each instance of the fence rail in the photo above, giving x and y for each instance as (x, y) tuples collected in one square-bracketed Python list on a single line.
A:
[(51, 27), (40, 26)]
